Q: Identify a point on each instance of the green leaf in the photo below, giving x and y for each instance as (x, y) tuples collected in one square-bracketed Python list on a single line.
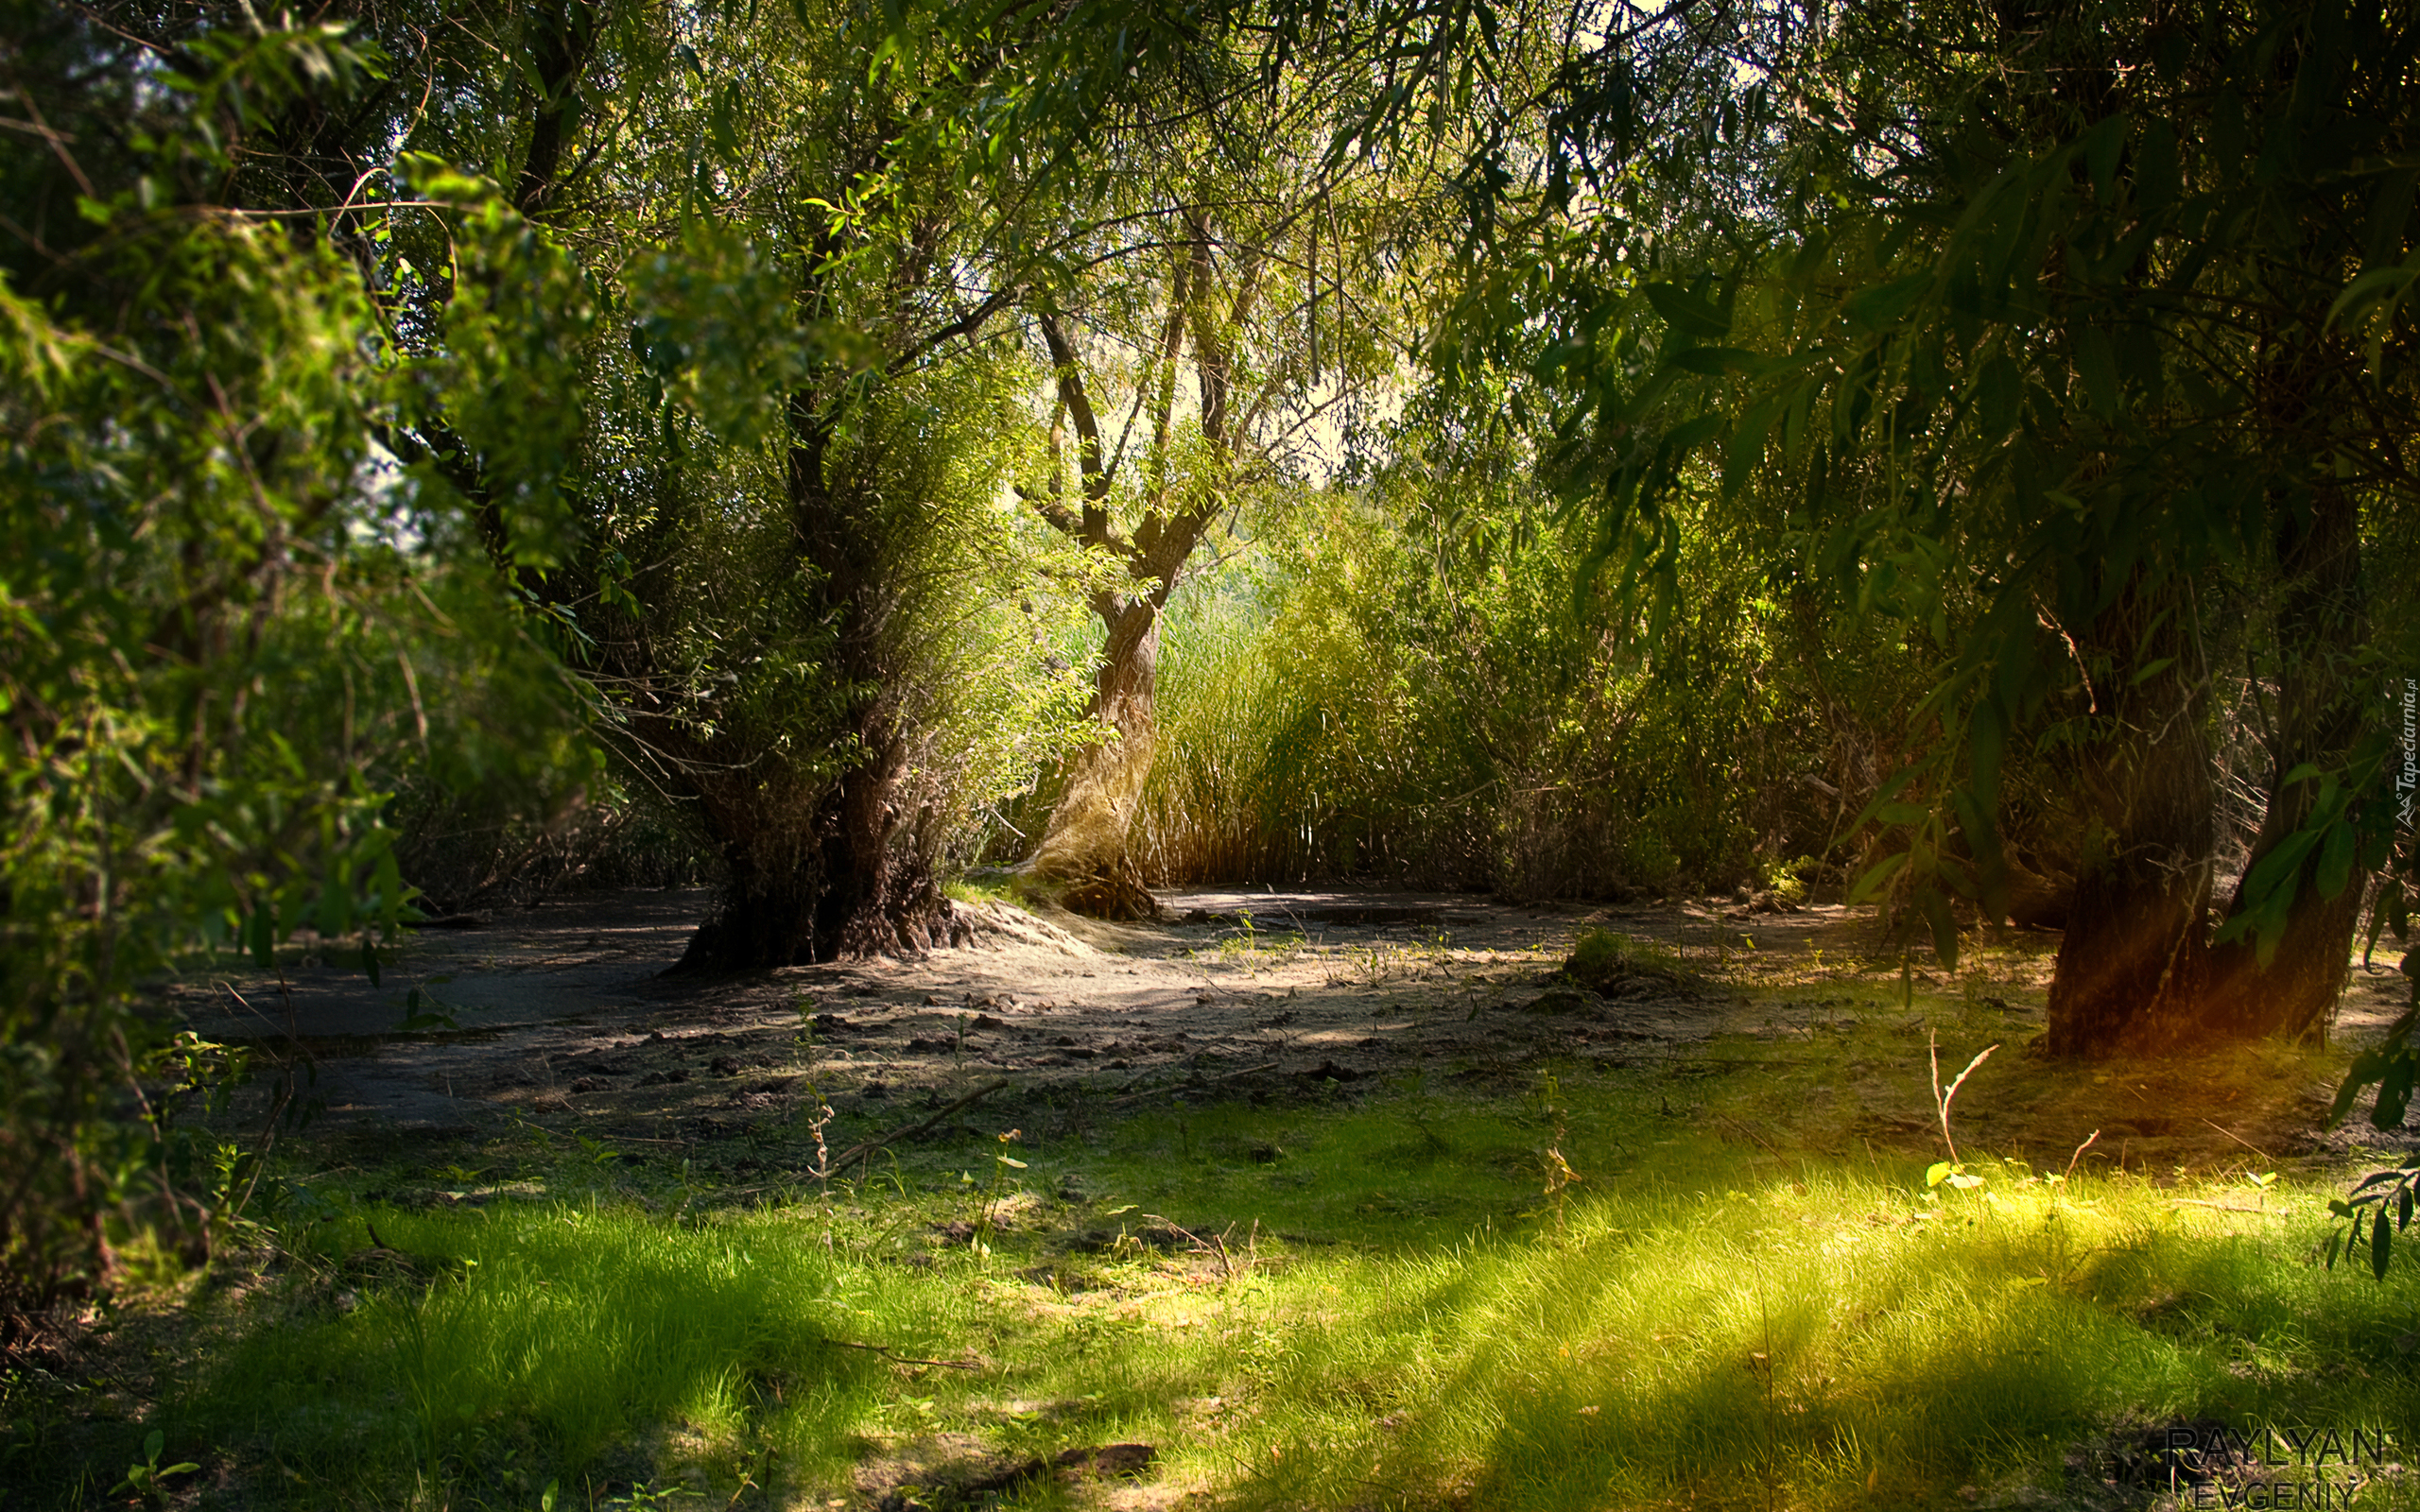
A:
[(1686, 435), (1881, 873), (2388, 213), (2395, 1090), (2336, 860), (1997, 389), (2156, 179), (1944, 928), (2381, 1241), (2097, 364), (1747, 446), (1686, 312), (1710, 362), (1937, 1173), (1885, 303), (370, 961), (2103, 145)]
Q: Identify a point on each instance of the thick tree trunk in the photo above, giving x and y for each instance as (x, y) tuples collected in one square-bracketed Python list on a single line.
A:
[(884, 897), (1086, 852), (824, 869), (2130, 969), (765, 919), (818, 877), (2321, 708)]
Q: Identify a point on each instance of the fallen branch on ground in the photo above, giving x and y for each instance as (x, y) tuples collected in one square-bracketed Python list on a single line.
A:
[(867, 1148), (902, 1359)]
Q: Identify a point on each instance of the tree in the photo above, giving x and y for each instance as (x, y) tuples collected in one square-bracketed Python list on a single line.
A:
[(2068, 337), (207, 615), (1234, 245), (788, 396)]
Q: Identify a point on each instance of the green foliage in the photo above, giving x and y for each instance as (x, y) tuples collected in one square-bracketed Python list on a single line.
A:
[(216, 615), (2040, 372), (184, 473), (143, 1476), (1602, 960), (1402, 683), (2380, 1202)]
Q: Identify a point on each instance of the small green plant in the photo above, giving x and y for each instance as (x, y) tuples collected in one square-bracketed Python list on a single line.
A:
[(803, 1038), (1559, 1174), (142, 1477), (1002, 1164), (643, 1496), (2378, 1208), (978, 893), (1952, 1170)]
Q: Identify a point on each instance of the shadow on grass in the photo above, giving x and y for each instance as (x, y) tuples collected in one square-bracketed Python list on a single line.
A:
[(1743, 1303)]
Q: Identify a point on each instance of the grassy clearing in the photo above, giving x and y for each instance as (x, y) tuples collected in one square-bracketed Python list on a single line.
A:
[(1369, 1303)]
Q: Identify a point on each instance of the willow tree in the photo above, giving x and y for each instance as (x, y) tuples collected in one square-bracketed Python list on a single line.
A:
[(1246, 296), (2039, 323), (796, 234), (207, 606)]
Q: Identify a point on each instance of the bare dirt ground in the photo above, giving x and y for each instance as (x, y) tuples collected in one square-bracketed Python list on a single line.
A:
[(560, 1018)]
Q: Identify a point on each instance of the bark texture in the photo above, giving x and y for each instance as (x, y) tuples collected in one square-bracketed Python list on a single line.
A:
[(1085, 845), (822, 864), (2131, 968), (2323, 705)]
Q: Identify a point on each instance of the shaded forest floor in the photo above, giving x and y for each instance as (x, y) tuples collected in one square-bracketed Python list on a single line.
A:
[(557, 1019), (1302, 1199)]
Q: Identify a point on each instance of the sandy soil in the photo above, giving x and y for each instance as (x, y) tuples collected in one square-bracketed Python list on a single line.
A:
[(560, 1016)]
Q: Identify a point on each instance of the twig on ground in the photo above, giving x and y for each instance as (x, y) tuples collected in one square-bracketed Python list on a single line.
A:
[(902, 1359), (866, 1149), (2089, 1141), (2245, 1143), (1215, 1246), (1745, 1129)]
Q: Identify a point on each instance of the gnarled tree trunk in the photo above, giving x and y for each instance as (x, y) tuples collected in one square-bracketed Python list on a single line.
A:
[(820, 868), (2321, 708), (1085, 849), (2131, 968), (1084, 856)]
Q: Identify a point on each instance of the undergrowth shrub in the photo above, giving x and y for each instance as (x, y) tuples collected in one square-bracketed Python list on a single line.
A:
[(1389, 690)]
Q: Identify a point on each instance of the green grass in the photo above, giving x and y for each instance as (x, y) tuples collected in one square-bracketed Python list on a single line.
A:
[(1402, 1316)]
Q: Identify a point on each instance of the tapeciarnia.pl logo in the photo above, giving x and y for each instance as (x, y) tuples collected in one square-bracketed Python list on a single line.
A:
[(2408, 780)]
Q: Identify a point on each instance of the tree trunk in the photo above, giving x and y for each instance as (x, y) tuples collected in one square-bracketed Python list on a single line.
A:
[(819, 876), (2130, 969), (2321, 708), (883, 897), (822, 868), (1086, 851)]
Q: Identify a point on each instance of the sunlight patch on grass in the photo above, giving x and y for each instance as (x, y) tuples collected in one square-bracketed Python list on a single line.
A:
[(1369, 1304)]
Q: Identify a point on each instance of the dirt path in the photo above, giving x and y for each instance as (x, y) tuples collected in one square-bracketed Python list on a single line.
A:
[(560, 1016)]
